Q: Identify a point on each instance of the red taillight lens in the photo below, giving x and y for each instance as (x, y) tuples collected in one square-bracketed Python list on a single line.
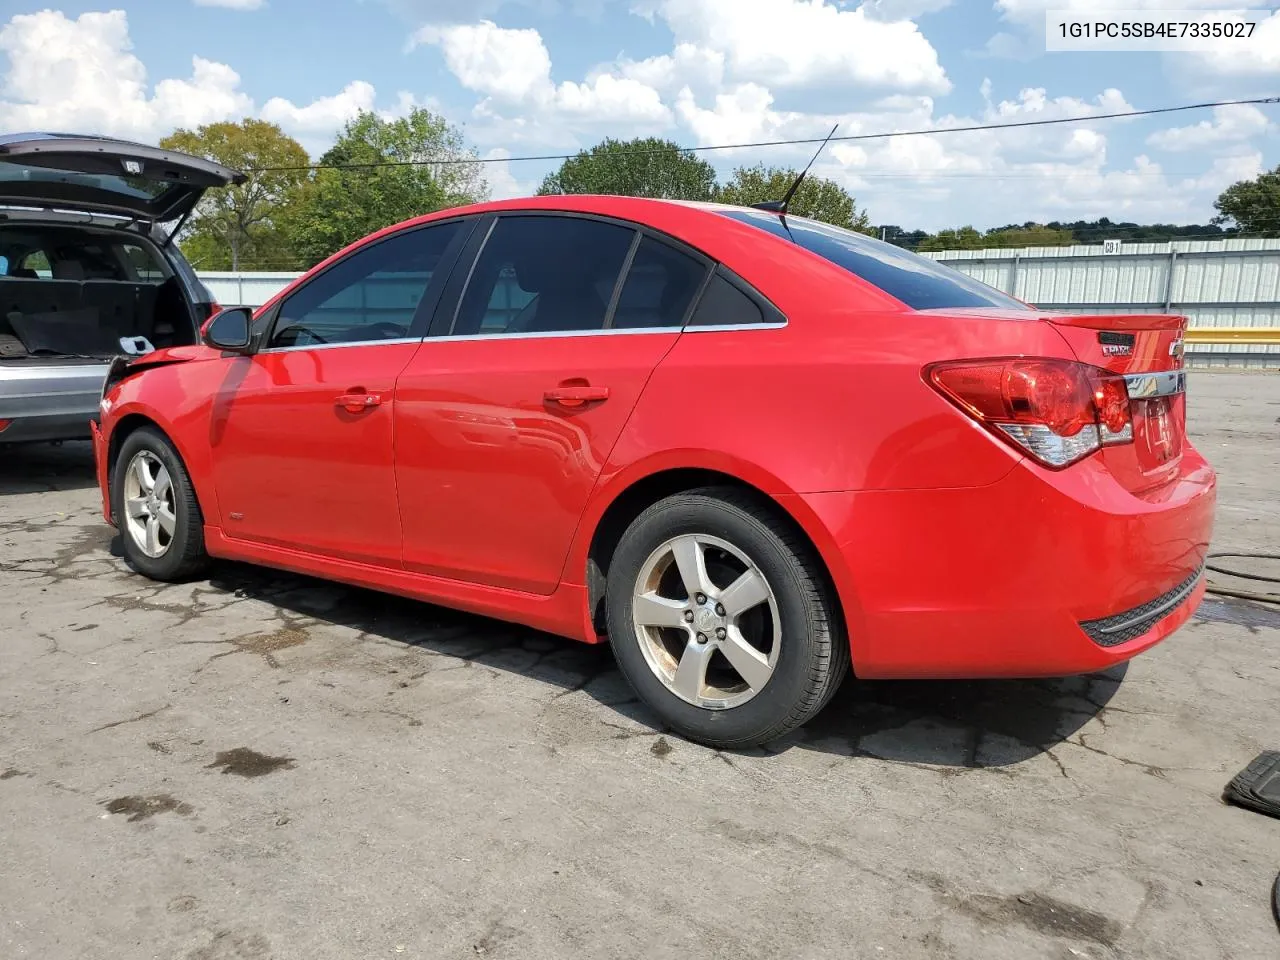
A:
[(1057, 410), (4, 425)]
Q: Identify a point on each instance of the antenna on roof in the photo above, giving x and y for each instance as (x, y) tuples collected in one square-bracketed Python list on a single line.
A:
[(780, 206)]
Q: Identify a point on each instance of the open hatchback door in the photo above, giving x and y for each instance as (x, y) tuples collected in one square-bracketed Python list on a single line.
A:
[(97, 174)]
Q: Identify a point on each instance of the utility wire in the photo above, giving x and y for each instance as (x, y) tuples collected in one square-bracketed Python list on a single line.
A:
[(848, 138)]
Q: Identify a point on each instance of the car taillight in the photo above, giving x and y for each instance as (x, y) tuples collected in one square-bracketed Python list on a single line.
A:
[(1059, 411), (4, 425)]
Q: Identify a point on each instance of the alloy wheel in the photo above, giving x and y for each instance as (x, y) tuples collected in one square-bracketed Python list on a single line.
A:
[(707, 621), (150, 508)]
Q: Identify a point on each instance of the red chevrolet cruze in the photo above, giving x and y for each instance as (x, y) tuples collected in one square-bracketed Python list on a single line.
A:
[(747, 449)]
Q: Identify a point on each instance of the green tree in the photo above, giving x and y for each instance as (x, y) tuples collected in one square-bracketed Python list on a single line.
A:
[(963, 238), (816, 197), (1252, 205), (1029, 235), (644, 167), (240, 226), (380, 172)]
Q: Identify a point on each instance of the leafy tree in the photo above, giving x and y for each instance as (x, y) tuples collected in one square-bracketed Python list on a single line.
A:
[(1252, 205), (380, 172), (816, 198), (644, 167), (964, 238), (238, 226), (1029, 235)]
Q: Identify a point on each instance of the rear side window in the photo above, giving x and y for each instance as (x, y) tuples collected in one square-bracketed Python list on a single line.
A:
[(544, 274), (724, 303), (919, 282), (145, 266), (659, 288)]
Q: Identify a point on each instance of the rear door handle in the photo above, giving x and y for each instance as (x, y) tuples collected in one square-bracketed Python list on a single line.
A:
[(355, 402), (576, 396)]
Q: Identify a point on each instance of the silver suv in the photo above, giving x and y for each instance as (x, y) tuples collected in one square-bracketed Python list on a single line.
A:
[(89, 270)]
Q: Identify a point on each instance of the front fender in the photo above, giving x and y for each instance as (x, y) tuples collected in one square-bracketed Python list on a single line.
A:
[(169, 395)]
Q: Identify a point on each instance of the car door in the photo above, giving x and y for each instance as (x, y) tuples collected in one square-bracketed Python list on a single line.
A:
[(507, 414), (302, 429)]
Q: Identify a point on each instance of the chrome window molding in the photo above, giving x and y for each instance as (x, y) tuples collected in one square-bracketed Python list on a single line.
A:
[(335, 346)]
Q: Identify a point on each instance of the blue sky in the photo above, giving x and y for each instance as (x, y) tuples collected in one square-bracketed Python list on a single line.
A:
[(538, 76)]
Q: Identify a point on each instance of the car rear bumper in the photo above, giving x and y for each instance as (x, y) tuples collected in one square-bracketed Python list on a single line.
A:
[(40, 429), (45, 401), (1038, 574)]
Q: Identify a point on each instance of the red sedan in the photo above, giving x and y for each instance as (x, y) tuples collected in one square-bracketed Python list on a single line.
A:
[(746, 449)]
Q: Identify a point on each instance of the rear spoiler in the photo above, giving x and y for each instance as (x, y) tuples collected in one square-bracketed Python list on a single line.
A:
[(1117, 321)]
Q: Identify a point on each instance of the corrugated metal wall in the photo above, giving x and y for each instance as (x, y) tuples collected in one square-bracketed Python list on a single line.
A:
[(1214, 283)]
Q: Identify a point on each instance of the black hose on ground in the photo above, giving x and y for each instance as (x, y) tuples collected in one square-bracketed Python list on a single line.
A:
[(1242, 594)]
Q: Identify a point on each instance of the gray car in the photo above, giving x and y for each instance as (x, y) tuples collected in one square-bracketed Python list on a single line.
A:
[(89, 270)]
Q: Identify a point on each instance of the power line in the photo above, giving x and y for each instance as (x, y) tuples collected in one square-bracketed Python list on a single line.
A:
[(849, 138)]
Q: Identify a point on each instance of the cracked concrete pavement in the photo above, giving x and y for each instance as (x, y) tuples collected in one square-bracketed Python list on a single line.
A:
[(259, 765)]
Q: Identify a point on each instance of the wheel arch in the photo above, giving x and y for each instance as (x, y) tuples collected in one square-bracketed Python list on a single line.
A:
[(625, 501), (130, 420)]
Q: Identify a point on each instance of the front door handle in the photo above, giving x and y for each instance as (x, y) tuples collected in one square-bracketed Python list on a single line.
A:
[(357, 401), (576, 396)]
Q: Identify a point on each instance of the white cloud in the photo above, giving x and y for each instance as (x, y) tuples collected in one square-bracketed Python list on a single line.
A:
[(324, 114), (512, 68), (686, 65), (231, 4), (902, 9), (503, 184), (489, 59), (1231, 124), (82, 75), (1034, 104), (802, 43), (1259, 57)]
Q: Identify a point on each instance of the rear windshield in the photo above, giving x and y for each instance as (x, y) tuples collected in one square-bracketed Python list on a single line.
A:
[(129, 186), (919, 282)]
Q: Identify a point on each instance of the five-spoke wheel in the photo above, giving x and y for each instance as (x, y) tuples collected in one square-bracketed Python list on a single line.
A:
[(722, 618), (707, 621), (149, 514), (155, 506)]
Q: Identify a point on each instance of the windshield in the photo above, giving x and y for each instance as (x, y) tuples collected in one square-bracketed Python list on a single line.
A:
[(129, 186), (917, 281)]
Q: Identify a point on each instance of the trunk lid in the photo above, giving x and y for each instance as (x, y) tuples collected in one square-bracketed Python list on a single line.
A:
[(102, 175), (1147, 349)]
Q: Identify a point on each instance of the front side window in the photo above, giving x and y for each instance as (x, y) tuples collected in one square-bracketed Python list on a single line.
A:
[(543, 274), (917, 281), (372, 295)]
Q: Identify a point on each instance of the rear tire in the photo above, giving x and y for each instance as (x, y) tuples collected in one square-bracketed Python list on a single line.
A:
[(155, 508), (723, 620)]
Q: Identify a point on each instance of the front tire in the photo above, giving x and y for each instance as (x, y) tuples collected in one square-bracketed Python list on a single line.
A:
[(155, 507), (723, 620)]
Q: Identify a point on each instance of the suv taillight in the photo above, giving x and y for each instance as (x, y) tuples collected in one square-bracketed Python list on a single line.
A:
[(1059, 411)]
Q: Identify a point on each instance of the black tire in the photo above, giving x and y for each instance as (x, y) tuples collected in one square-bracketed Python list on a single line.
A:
[(813, 657), (185, 555)]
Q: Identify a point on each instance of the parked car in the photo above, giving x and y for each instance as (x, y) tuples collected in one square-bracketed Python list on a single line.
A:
[(86, 261), (745, 448)]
